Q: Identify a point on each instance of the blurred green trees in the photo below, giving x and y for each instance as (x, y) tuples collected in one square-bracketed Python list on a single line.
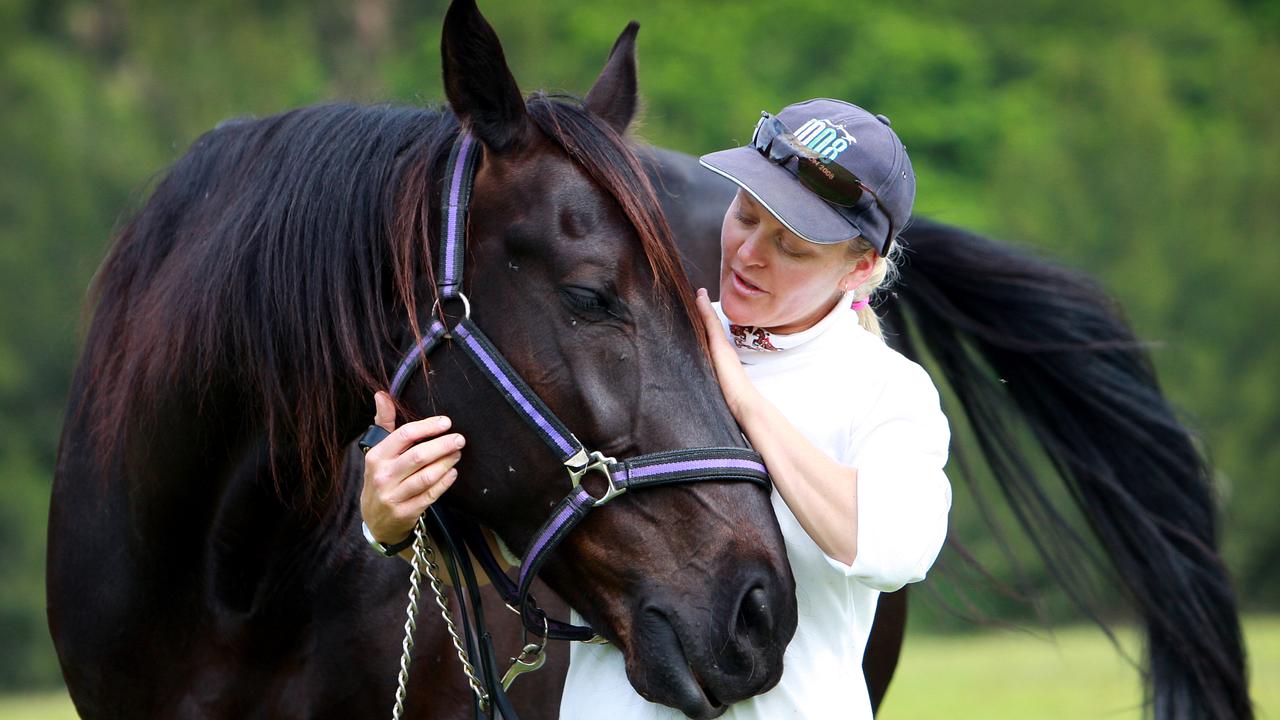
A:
[(1136, 140)]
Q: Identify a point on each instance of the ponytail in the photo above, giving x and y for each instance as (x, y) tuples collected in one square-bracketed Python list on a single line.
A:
[(882, 274)]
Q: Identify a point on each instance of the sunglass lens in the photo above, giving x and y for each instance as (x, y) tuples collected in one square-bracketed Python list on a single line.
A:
[(766, 130), (829, 181)]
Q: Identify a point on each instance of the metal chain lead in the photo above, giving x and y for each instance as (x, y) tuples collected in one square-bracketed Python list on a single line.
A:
[(423, 562)]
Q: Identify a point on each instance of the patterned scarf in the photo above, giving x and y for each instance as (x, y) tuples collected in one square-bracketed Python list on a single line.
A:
[(752, 338)]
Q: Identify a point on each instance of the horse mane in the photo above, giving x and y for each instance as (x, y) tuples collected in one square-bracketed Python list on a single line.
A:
[(280, 263)]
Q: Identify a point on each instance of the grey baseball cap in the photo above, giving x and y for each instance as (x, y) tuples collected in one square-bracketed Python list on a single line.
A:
[(840, 133)]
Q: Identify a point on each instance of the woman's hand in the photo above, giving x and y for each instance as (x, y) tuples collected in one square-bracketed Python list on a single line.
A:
[(407, 472), (738, 391)]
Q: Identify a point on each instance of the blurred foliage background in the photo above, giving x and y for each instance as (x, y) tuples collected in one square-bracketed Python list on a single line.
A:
[(1136, 140)]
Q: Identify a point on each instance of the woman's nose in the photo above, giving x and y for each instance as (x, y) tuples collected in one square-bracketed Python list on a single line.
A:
[(751, 252)]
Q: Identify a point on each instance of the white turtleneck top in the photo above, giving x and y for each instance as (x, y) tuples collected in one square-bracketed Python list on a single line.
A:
[(868, 408)]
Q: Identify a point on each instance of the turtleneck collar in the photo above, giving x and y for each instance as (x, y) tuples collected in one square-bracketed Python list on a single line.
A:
[(760, 340)]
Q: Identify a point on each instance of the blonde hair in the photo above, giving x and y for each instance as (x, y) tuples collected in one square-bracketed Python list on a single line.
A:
[(883, 273)]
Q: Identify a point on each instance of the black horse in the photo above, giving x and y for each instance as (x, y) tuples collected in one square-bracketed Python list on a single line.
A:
[(204, 559)]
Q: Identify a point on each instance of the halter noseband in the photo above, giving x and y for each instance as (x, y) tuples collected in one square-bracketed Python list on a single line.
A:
[(458, 536)]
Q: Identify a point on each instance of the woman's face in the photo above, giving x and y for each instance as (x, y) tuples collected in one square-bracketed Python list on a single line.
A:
[(771, 278)]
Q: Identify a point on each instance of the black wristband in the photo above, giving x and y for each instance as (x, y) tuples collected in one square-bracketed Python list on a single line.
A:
[(371, 437), (393, 550)]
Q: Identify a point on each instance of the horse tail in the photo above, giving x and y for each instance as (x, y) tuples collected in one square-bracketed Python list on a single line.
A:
[(1027, 345)]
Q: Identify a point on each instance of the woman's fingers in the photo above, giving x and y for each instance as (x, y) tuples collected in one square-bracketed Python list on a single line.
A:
[(422, 480), (416, 505), (733, 380), (384, 414), (721, 351), (407, 435), (398, 489), (424, 454), (710, 320)]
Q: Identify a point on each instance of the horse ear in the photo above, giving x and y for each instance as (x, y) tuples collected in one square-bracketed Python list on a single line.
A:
[(613, 97), (477, 81)]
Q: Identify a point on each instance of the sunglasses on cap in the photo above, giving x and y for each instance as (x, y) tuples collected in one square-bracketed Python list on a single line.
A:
[(826, 178)]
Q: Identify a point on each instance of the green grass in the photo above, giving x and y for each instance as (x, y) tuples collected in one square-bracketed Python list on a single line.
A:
[(52, 706), (993, 675), (1076, 674), (996, 675)]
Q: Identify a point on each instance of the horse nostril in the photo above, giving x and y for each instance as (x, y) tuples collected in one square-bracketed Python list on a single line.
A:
[(755, 619)]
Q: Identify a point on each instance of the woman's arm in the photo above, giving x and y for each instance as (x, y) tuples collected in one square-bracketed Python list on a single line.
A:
[(821, 493)]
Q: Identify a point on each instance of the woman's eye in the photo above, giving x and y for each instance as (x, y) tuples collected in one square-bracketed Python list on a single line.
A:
[(789, 251), (745, 220)]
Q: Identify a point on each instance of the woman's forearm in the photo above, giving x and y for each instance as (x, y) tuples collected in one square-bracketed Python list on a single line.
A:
[(822, 493)]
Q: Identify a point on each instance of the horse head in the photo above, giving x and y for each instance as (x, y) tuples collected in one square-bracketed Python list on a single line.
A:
[(572, 273)]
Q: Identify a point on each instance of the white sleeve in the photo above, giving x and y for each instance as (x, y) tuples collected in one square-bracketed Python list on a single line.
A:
[(903, 493)]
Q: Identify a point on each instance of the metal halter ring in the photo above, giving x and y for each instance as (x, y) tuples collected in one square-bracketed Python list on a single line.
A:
[(466, 310), (601, 463)]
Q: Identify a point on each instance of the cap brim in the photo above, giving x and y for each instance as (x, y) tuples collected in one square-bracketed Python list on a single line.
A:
[(797, 207)]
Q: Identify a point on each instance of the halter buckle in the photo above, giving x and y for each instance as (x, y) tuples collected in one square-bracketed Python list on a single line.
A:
[(599, 462)]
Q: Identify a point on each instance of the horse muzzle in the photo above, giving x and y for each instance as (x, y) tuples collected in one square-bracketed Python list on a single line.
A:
[(700, 657)]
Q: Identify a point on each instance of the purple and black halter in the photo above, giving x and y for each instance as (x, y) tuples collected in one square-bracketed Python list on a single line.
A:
[(457, 536)]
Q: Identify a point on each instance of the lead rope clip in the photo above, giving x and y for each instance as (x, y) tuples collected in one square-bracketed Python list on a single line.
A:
[(531, 657)]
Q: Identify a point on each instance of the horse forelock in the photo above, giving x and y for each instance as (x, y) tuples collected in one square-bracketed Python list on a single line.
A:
[(610, 162), (276, 261)]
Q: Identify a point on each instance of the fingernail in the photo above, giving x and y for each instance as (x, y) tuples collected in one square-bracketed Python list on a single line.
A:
[(444, 422), (459, 440), (449, 476)]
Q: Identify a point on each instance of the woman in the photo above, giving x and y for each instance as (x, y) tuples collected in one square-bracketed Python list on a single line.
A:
[(851, 431)]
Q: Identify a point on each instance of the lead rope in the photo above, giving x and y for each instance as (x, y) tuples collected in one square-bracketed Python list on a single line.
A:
[(423, 561)]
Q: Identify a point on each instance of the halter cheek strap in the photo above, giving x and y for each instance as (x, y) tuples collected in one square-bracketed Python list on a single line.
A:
[(455, 201), (514, 390)]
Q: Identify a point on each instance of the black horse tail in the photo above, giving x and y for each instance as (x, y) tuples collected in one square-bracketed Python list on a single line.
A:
[(1026, 345)]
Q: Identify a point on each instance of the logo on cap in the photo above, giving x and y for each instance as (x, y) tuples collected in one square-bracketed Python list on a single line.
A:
[(825, 137)]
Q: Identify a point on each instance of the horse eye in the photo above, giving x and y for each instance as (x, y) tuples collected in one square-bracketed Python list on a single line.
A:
[(593, 305), (584, 299)]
